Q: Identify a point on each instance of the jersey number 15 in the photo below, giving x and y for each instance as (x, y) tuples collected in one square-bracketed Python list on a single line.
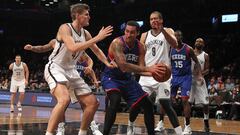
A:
[(178, 64)]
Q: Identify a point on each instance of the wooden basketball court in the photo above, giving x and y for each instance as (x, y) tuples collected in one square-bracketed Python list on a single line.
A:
[(33, 121)]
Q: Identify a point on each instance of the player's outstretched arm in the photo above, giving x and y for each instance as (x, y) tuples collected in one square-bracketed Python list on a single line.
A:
[(41, 48), (64, 34), (98, 52)]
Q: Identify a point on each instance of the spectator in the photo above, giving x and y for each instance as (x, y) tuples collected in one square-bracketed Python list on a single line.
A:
[(229, 86), (220, 84)]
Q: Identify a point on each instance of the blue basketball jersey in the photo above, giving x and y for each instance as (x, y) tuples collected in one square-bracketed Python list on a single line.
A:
[(80, 66), (181, 61), (131, 55)]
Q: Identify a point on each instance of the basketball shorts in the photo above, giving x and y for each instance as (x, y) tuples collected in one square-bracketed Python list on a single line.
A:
[(17, 85), (150, 85), (199, 93), (130, 89), (55, 74), (182, 82)]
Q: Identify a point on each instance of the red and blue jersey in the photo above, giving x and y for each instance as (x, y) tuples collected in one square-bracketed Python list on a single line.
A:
[(181, 61), (131, 55), (114, 79), (80, 66)]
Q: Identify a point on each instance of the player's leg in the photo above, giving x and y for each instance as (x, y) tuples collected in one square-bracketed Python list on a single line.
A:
[(61, 124), (206, 117), (137, 98), (133, 114), (56, 79), (164, 99), (112, 88), (148, 115), (205, 102), (166, 103), (201, 97), (12, 98), (13, 90), (132, 117), (79, 91), (185, 90), (63, 99), (90, 107), (93, 124), (21, 96), (114, 98)]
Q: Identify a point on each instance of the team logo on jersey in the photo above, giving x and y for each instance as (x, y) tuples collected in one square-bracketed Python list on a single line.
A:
[(167, 93), (154, 42), (178, 57), (131, 57), (188, 92), (201, 62)]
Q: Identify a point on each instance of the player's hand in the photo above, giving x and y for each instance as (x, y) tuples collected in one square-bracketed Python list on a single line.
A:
[(96, 84), (87, 70), (112, 64), (157, 68), (104, 32), (158, 25), (26, 82), (28, 47), (200, 80)]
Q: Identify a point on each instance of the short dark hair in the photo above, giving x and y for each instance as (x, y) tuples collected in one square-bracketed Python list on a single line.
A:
[(180, 32), (78, 8), (158, 13), (134, 23), (18, 55)]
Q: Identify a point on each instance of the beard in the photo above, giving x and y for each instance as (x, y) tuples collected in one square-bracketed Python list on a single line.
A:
[(199, 46)]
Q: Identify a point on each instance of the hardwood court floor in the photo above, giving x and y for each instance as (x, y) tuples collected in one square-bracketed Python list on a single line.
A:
[(33, 121)]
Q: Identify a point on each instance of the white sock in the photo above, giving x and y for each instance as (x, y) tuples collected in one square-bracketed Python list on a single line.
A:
[(61, 124), (82, 132), (178, 130), (47, 133), (206, 116), (130, 123)]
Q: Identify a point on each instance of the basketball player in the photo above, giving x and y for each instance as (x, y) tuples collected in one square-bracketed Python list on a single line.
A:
[(84, 67), (18, 82), (199, 92), (157, 43), (128, 53), (181, 62), (61, 74)]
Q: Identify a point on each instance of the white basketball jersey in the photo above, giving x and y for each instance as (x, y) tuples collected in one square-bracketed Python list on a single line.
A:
[(62, 56), (18, 72), (201, 59), (157, 49)]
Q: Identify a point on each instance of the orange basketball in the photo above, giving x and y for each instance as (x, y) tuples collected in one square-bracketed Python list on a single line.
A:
[(162, 77)]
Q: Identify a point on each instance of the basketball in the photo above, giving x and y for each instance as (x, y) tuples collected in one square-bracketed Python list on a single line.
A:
[(162, 77)]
